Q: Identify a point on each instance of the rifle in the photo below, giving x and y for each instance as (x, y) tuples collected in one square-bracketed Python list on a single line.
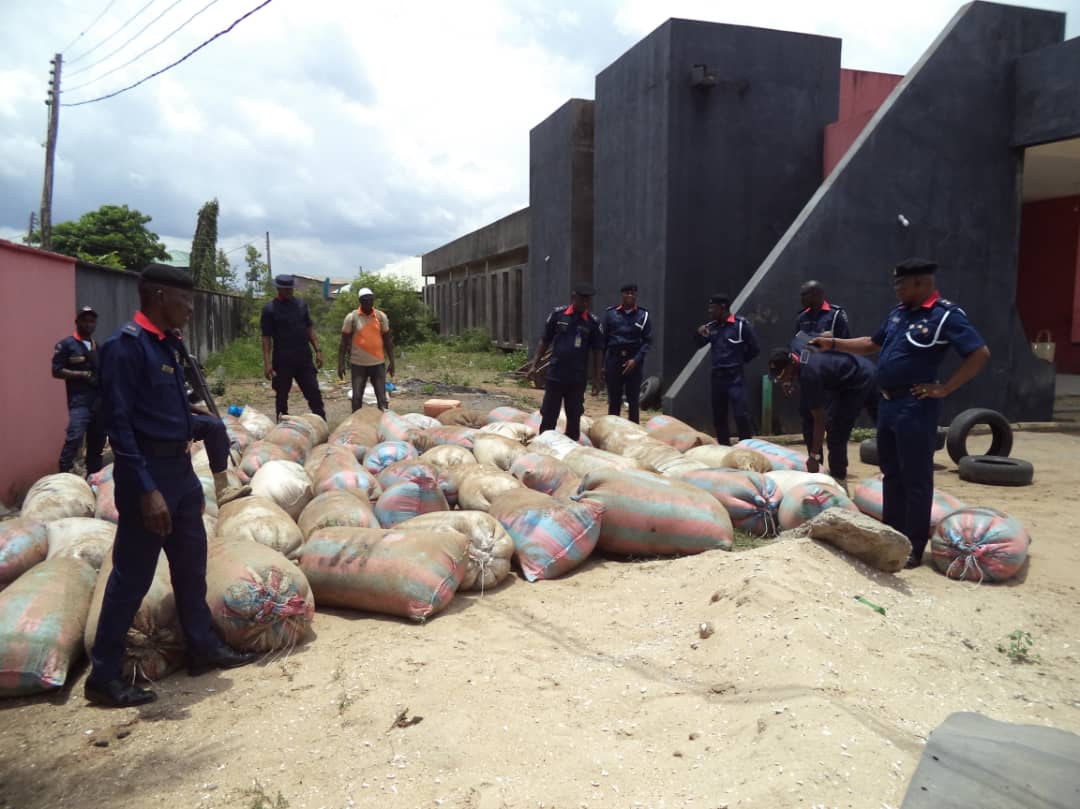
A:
[(195, 377)]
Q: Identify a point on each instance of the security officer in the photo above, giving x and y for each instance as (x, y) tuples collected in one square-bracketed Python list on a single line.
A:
[(913, 341), (817, 316), (835, 387), (75, 360), (158, 496), (576, 338), (627, 339), (287, 330), (733, 345)]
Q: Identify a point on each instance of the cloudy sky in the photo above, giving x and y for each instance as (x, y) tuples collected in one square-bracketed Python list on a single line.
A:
[(357, 133)]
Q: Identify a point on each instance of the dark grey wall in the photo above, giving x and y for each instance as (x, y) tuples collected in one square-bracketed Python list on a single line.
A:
[(939, 153), (501, 236), (1048, 95), (695, 185), (561, 210), (115, 295)]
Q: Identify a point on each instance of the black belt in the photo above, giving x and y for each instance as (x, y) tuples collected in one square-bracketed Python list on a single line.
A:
[(896, 393), (625, 351), (163, 449)]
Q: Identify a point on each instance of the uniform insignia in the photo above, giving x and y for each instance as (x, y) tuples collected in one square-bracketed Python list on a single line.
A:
[(166, 368), (132, 328), (59, 348)]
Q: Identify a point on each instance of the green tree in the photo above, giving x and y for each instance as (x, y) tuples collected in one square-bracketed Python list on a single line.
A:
[(224, 278), (410, 318), (204, 246), (111, 229), (257, 278)]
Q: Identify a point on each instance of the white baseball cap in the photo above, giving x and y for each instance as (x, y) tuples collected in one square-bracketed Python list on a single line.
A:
[(365, 292)]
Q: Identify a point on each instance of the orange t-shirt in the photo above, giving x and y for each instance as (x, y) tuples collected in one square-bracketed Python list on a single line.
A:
[(367, 336)]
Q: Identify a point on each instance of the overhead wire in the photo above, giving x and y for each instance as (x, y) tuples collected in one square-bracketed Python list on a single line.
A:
[(128, 22), (127, 41), (183, 58), (86, 30), (134, 59)]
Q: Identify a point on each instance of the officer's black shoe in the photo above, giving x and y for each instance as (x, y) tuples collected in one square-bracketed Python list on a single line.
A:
[(223, 657), (913, 561), (117, 694)]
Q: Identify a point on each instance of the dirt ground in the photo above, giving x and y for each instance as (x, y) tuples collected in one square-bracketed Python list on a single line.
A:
[(597, 691)]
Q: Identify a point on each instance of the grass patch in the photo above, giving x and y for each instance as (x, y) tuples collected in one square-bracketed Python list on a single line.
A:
[(1019, 646), (748, 542), (241, 359), (260, 798), (860, 434)]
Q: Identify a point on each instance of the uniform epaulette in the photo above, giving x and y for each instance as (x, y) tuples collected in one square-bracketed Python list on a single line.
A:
[(132, 328), (610, 308)]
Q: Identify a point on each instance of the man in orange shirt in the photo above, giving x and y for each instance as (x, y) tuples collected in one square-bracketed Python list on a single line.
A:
[(367, 343)]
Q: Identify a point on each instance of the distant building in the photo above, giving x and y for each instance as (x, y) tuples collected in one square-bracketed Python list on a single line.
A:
[(330, 286), (178, 258)]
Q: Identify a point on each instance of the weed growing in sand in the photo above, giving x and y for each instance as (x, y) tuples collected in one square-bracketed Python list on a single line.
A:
[(260, 798), (860, 434), (1019, 646), (427, 389), (748, 542)]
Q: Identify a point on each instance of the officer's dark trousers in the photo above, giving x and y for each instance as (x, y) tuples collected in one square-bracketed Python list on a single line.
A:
[(728, 389), (906, 436), (215, 438), (563, 395), (85, 420), (360, 376), (840, 415), (296, 365), (619, 383), (135, 556)]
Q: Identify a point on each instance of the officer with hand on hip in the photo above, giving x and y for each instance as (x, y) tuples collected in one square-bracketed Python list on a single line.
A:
[(627, 339), (75, 360), (913, 341), (733, 344)]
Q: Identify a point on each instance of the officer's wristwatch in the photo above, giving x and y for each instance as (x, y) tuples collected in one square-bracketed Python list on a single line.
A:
[(817, 456)]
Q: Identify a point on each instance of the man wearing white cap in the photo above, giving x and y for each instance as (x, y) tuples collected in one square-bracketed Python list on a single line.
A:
[(367, 343)]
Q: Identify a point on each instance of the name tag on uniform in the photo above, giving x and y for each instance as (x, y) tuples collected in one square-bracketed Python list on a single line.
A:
[(167, 368), (577, 340), (74, 360)]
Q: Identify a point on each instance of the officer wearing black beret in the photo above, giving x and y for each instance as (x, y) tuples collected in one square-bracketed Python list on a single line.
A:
[(576, 338), (75, 360), (627, 339), (286, 331), (158, 497), (732, 344), (912, 343)]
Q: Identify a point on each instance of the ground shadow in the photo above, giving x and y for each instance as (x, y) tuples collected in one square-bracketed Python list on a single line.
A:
[(890, 580)]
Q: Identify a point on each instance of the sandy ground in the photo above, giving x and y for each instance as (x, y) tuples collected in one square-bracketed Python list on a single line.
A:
[(597, 691)]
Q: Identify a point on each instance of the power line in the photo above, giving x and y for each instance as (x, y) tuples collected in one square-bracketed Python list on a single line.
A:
[(127, 42), (129, 21), (141, 55), (174, 64), (97, 19)]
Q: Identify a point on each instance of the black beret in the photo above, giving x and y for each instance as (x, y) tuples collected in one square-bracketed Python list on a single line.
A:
[(284, 281), (629, 287), (166, 276), (584, 290), (720, 299), (914, 266), (86, 310)]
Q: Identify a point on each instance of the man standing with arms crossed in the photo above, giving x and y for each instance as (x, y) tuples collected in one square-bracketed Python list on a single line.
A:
[(367, 343)]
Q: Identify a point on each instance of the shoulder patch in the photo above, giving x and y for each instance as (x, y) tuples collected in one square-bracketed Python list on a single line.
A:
[(132, 328)]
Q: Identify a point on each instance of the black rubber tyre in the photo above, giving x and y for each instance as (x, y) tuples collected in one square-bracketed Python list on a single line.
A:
[(1000, 430), (868, 452), (650, 392), (993, 470)]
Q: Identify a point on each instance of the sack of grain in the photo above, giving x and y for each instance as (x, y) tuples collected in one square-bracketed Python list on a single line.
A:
[(209, 497), (805, 501), (787, 478), (508, 414), (259, 601), (238, 436), (462, 417), (404, 500), (413, 574), (356, 441), (294, 435), (495, 450), (155, 644), (23, 544), (439, 436), (258, 454), (870, 499), (541, 473), (339, 508), (553, 443), (364, 417), (84, 538), (979, 544), (780, 457), (383, 454), (661, 421), (751, 499), (319, 425), (711, 455), (748, 459), (393, 427), (445, 457), (105, 502), (259, 520), (404, 471), (490, 547), (320, 453), (101, 476), (647, 515), (522, 433), (674, 435), (421, 422), (551, 538), (54, 497), (609, 432), (534, 420), (340, 470), (285, 483), (483, 484), (584, 460), (256, 423), (42, 619), (658, 457)]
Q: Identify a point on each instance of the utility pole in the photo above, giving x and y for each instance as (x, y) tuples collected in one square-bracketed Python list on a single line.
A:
[(53, 102), (268, 270)]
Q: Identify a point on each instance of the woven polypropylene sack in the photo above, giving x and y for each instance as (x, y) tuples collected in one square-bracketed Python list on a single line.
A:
[(99, 477), (258, 454), (256, 423), (805, 501), (507, 413), (681, 438), (54, 497), (155, 643), (238, 436), (285, 483), (412, 574), (356, 441), (340, 508), (295, 436), (259, 601), (482, 485), (318, 423), (553, 443), (23, 544), (463, 417), (780, 457), (422, 422), (551, 538), (869, 496), (647, 515), (340, 470), (711, 456), (490, 548), (393, 427), (440, 436), (748, 459), (541, 473), (84, 538), (497, 450), (584, 460), (751, 499), (513, 430), (409, 499), (404, 471), (446, 457), (105, 502), (609, 432), (42, 620), (979, 544), (259, 520), (383, 454), (661, 458), (789, 478)]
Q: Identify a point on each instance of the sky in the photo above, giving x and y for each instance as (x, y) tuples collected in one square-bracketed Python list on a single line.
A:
[(357, 133)]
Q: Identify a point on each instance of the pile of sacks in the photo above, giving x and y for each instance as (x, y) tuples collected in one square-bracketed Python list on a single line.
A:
[(396, 514)]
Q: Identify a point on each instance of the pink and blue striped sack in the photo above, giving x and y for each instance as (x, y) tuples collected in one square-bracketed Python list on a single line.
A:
[(979, 544), (551, 537), (804, 501), (408, 499), (750, 498), (385, 453), (507, 413), (541, 473), (780, 457), (405, 471), (393, 427), (870, 498), (23, 544)]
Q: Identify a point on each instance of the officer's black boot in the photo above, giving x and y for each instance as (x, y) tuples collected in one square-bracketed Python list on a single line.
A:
[(117, 693), (223, 657)]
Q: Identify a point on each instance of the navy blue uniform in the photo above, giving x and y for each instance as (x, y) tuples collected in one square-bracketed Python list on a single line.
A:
[(84, 403), (627, 335), (573, 337), (841, 385), (812, 322), (733, 344), (913, 344), (286, 322), (150, 425)]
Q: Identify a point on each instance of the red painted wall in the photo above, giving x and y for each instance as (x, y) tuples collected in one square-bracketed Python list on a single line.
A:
[(1048, 280), (38, 291), (861, 93)]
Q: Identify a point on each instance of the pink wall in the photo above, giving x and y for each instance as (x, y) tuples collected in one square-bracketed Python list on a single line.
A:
[(1048, 280), (38, 291), (861, 93)]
